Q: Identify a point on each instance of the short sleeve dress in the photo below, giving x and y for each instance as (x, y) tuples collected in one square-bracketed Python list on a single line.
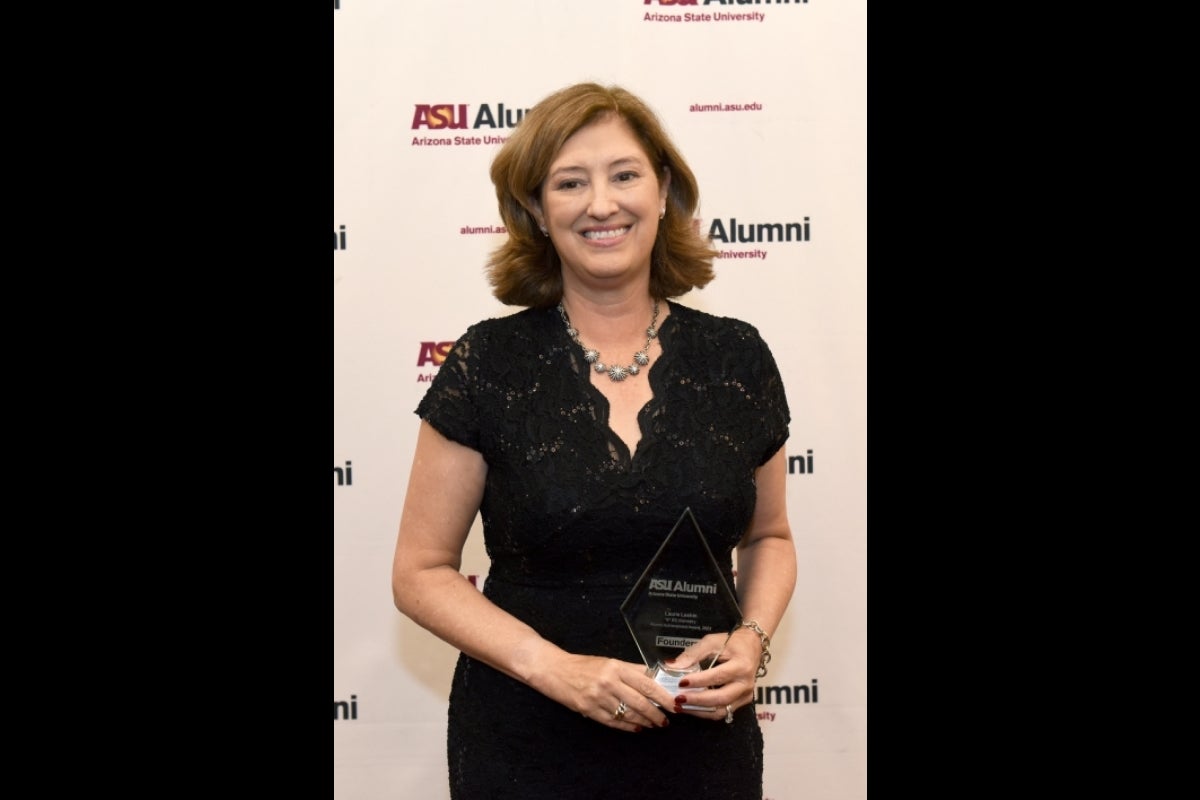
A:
[(570, 520)]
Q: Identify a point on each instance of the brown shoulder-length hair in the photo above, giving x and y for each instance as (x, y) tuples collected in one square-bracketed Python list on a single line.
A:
[(525, 270)]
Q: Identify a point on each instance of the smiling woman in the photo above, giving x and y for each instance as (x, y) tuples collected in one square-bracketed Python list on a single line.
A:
[(527, 269), (579, 469)]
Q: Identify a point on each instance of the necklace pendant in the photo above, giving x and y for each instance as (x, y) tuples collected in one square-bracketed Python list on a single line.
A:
[(616, 372)]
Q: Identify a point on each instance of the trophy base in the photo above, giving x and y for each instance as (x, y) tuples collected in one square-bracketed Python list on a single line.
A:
[(669, 679)]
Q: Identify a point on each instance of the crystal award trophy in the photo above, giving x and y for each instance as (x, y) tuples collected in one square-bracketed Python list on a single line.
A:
[(680, 598)]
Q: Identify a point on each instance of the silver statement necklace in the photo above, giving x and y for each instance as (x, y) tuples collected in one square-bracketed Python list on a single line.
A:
[(617, 373)]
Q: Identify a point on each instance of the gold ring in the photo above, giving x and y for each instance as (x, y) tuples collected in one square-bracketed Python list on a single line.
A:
[(728, 715), (620, 712)]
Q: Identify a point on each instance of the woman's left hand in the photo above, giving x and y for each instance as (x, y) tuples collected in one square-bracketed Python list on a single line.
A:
[(727, 685)]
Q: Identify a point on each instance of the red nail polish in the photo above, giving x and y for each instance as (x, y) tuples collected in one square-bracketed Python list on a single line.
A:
[(665, 723), (680, 700), (685, 683), (637, 729)]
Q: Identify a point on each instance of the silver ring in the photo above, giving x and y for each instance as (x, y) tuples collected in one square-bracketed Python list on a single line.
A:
[(621, 709), (728, 715)]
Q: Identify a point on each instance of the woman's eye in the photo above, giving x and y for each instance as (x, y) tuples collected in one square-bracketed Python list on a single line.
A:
[(626, 176), (572, 184)]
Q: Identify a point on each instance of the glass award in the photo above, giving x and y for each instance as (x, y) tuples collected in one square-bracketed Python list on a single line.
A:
[(681, 597)]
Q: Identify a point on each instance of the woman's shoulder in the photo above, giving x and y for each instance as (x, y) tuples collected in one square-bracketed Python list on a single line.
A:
[(703, 324), (525, 323)]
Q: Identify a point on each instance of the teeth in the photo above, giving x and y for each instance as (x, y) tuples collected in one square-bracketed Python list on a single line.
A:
[(605, 234)]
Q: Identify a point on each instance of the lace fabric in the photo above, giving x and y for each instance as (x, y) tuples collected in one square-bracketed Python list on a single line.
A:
[(570, 520)]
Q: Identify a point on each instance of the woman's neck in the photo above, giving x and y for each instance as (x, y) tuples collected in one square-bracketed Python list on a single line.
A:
[(613, 319)]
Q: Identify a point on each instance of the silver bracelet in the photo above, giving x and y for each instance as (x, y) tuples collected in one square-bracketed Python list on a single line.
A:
[(766, 646)]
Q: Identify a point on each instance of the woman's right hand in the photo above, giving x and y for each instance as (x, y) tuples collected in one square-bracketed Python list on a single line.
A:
[(614, 693)]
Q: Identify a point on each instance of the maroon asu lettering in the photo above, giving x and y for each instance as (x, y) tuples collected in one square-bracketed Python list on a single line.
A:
[(440, 116), (434, 353)]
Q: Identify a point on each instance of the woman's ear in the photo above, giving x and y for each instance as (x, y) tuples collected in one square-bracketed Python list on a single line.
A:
[(534, 207)]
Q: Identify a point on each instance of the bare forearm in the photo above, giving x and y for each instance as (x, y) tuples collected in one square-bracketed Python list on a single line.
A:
[(766, 579), (767, 556), (446, 604)]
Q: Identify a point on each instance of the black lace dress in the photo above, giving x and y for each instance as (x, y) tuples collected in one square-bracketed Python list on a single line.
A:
[(570, 520)]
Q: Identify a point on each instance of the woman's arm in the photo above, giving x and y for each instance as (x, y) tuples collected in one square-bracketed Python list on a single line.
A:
[(766, 577), (766, 555), (444, 491)]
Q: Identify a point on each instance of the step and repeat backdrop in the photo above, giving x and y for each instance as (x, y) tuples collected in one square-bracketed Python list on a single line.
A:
[(767, 101)]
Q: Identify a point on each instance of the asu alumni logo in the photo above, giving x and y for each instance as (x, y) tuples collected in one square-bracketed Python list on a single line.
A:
[(668, 585), (446, 117)]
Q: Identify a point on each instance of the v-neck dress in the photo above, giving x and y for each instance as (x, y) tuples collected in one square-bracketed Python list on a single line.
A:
[(570, 520)]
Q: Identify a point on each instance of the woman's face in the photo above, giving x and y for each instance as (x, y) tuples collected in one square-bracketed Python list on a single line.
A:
[(600, 203)]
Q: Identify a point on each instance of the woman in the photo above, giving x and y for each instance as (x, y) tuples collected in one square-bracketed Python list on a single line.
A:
[(580, 464)]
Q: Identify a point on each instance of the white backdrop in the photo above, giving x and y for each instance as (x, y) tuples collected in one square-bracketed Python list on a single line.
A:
[(767, 101)]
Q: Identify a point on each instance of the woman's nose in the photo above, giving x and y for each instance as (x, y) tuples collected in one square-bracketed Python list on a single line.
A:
[(602, 204)]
